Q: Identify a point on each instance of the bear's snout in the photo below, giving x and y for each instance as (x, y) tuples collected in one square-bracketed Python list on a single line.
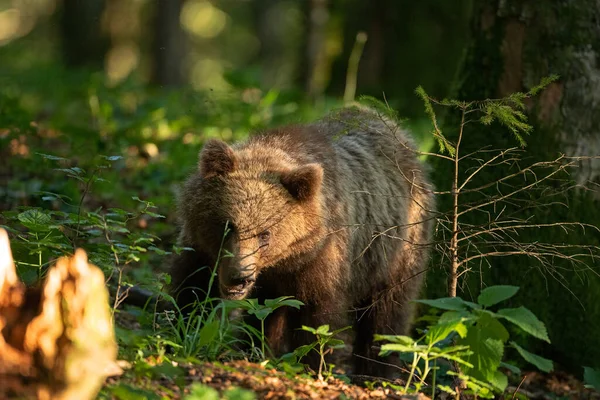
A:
[(236, 283)]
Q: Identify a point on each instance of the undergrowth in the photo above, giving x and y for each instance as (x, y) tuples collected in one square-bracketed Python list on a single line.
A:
[(98, 168)]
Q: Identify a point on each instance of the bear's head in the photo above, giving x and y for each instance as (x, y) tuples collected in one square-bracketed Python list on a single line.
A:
[(251, 208)]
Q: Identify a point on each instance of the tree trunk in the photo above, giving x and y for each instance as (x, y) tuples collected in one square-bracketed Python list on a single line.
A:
[(514, 44), (169, 44), (57, 341), (83, 42)]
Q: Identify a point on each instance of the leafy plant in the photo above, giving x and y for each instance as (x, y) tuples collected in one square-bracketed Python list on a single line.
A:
[(204, 329), (42, 235), (591, 378), (474, 337), (261, 311), (325, 343)]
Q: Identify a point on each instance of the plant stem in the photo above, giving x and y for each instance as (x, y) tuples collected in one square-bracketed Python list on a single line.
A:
[(453, 279), (433, 379), (322, 362), (413, 367), (262, 334)]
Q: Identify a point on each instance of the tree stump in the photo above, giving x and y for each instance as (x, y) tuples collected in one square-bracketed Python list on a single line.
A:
[(57, 340)]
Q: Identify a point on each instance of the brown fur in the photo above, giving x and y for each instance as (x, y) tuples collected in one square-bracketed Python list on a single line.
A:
[(348, 210)]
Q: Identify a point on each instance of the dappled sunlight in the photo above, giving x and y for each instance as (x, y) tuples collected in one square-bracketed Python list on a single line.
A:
[(201, 18), (121, 60), (208, 74), (10, 25), (21, 18)]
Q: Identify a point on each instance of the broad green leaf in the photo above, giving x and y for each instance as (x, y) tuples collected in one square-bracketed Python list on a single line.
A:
[(335, 343), (499, 381), (261, 313), (208, 332), (495, 294), (437, 333), (452, 316), (487, 350), (591, 377), (35, 219), (541, 363), (283, 301), (527, 321), (492, 327), (304, 350), (449, 303), (323, 330)]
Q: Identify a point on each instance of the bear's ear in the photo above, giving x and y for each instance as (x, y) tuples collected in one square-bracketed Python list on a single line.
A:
[(304, 182), (216, 158)]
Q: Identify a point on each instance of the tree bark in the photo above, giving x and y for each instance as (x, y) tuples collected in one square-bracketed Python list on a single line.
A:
[(57, 341), (83, 42), (170, 44)]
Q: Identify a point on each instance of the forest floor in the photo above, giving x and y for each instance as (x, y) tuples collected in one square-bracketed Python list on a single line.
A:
[(244, 380)]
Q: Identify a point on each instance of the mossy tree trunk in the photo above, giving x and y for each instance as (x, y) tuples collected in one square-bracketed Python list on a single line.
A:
[(514, 44)]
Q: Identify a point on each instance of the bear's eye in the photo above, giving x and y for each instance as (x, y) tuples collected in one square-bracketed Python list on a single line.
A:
[(263, 238)]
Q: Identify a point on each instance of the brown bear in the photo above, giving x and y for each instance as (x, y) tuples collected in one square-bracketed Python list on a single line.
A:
[(338, 214)]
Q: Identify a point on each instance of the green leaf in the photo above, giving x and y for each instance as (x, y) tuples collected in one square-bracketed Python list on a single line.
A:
[(499, 381), (202, 392), (527, 321), (402, 348), (309, 329), (304, 350), (335, 343), (591, 377), (400, 339), (452, 316), (112, 158), (541, 363), (511, 368), (236, 393), (208, 332), (449, 303), (495, 294), (35, 219), (437, 333), (261, 313), (486, 341), (283, 301), (323, 330), (51, 157)]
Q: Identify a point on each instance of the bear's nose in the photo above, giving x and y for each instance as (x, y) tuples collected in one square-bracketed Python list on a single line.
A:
[(243, 279)]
